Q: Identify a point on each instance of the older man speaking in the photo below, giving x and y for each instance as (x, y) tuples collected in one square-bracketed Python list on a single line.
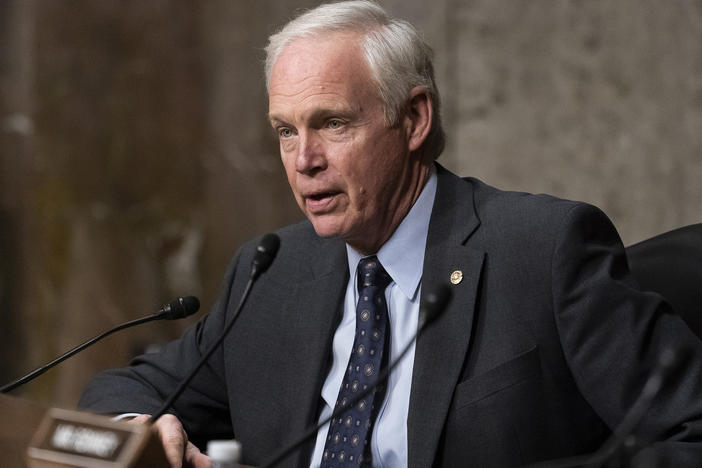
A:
[(543, 350)]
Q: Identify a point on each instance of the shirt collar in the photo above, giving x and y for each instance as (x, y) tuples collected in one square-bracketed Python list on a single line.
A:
[(402, 255)]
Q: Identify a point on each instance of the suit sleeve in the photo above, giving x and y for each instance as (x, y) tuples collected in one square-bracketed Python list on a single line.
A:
[(613, 336), (149, 380)]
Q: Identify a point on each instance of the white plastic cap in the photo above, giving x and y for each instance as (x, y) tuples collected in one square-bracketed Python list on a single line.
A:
[(224, 450)]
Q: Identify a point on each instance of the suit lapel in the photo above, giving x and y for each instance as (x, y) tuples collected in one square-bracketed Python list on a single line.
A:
[(442, 348), (315, 307)]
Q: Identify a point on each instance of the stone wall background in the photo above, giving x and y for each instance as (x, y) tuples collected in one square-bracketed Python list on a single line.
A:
[(135, 154)]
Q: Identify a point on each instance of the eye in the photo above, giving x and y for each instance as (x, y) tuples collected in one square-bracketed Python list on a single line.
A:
[(285, 132), (334, 124)]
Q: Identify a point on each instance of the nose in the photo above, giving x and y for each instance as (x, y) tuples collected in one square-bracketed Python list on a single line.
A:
[(310, 154)]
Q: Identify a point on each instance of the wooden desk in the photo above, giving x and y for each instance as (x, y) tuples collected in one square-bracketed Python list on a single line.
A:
[(19, 419)]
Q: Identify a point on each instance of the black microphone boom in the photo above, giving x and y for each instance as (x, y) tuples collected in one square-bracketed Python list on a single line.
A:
[(265, 254), (181, 307), (431, 306)]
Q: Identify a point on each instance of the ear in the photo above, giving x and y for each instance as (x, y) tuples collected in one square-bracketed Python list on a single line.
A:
[(419, 117)]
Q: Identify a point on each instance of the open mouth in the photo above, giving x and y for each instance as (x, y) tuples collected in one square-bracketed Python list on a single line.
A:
[(319, 202), (321, 195)]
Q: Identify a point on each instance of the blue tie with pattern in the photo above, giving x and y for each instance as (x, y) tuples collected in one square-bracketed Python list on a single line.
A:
[(348, 439)]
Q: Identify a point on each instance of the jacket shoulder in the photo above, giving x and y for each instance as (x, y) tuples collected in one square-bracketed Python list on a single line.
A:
[(524, 218)]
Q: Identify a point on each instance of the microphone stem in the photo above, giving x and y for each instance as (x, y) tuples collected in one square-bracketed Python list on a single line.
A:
[(382, 377), (626, 427), (39, 371), (184, 383)]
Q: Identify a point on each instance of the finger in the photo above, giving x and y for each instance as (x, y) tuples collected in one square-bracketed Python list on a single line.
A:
[(142, 418), (194, 458), (173, 438)]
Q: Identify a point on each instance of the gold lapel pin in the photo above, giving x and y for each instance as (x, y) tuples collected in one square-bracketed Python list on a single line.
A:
[(456, 277)]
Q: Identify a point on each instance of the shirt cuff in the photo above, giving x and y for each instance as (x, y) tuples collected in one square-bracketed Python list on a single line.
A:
[(123, 416)]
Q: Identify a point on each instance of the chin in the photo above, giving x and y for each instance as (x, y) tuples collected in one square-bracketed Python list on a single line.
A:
[(326, 232), (325, 228)]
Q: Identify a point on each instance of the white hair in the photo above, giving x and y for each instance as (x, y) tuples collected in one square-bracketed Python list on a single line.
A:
[(397, 56)]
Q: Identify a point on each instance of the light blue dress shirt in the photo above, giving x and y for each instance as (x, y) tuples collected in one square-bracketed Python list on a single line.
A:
[(402, 256)]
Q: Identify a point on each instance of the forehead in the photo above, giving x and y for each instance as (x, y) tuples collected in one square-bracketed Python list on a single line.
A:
[(330, 65)]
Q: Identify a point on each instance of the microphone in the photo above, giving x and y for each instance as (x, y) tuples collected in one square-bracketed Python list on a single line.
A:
[(177, 309), (180, 308), (433, 304), (265, 253), (263, 257), (669, 361), (430, 308)]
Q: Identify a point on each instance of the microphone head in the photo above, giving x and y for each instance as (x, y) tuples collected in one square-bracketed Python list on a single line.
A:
[(180, 308), (265, 253), (671, 361), (434, 302)]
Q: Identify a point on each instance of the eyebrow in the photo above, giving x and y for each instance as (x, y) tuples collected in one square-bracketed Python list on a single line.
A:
[(275, 119), (315, 116)]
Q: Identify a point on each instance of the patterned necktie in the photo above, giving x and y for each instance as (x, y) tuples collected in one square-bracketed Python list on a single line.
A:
[(348, 439)]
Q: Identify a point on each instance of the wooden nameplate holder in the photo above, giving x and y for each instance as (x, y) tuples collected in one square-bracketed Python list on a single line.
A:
[(31, 436)]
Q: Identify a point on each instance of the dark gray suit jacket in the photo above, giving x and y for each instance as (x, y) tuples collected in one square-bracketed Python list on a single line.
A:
[(545, 346)]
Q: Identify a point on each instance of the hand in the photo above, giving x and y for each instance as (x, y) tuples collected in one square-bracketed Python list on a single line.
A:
[(179, 452)]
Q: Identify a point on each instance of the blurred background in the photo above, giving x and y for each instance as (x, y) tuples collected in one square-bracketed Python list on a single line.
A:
[(135, 154)]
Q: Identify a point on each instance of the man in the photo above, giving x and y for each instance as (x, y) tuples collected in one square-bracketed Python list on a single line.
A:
[(544, 348)]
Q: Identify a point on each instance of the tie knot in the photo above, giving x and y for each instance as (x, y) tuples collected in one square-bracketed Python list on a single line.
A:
[(372, 274)]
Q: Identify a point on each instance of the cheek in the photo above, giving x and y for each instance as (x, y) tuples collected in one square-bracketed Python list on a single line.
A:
[(363, 182), (291, 175), (288, 165), (287, 146)]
